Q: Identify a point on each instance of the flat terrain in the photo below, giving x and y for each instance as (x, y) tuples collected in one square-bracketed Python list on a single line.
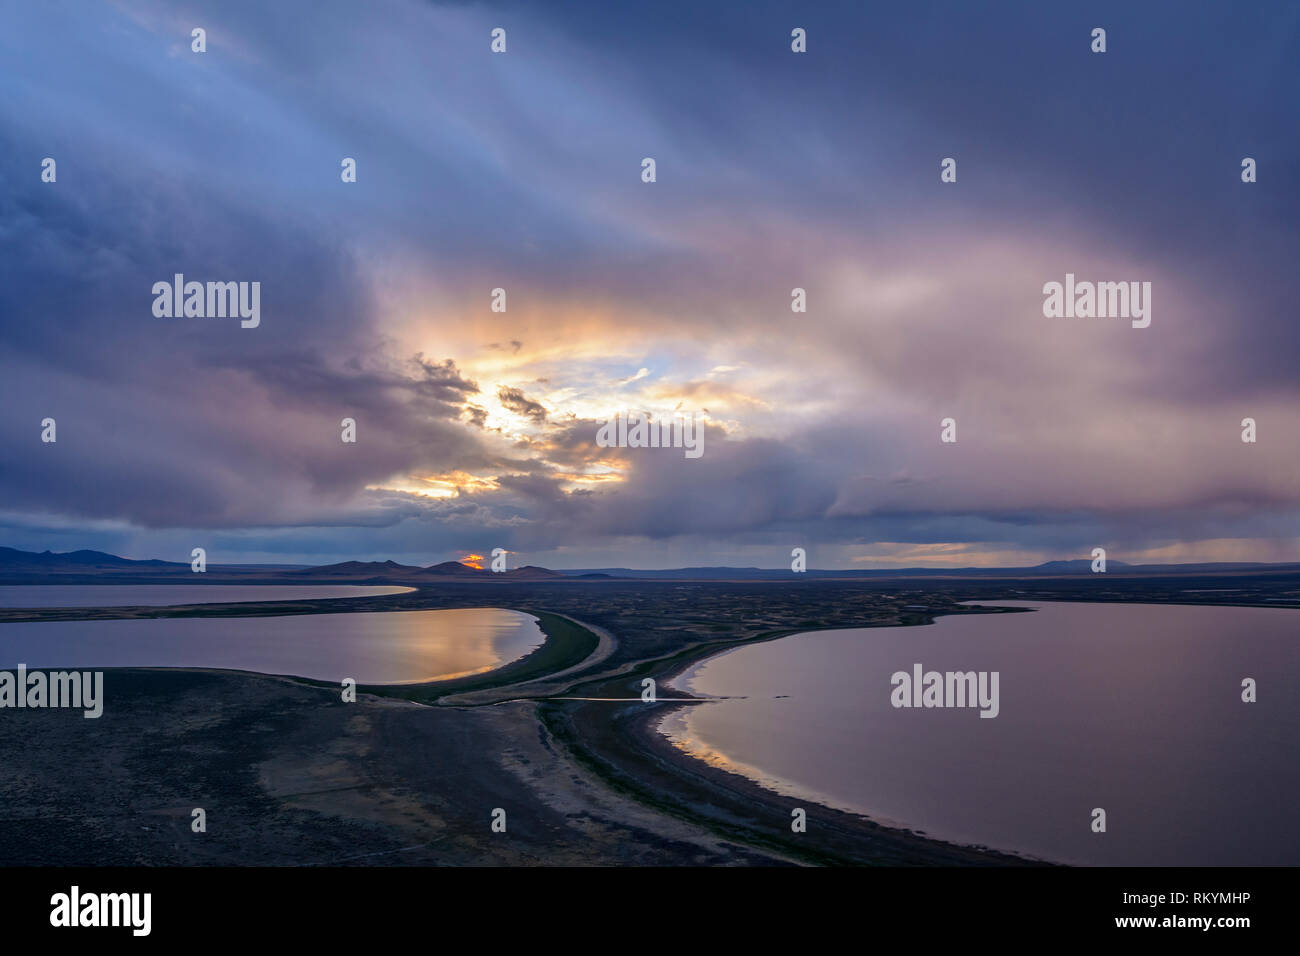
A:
[(289, 774)]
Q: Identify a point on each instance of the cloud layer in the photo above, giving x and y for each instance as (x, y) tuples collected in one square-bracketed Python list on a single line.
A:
[(476, 429)]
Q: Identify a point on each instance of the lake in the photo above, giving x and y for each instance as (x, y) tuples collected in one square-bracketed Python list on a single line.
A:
[(373, 647), (165, 595), (1135, 709)]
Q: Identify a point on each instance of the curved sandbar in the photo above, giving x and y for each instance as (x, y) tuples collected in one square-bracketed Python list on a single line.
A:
[(406, 598), (1069, 731), (569, 647), (589, 791), (32, 597), (397, 647), (614, 746), (617, 740)]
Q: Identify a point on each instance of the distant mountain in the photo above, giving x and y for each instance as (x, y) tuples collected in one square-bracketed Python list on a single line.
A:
[(454, 569), (367, 571), (1075, 566), (12, 559), (527, 573), (358, 569), (692, 574), (1081, 566), (530, 572), (91, 566)]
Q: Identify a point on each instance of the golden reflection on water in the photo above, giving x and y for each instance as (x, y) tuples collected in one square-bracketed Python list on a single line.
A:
[(447, 644), (1098, 702), (679, 730), (372, 647)]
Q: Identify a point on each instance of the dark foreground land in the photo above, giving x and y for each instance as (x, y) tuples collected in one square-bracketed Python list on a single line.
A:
[(289, 774)]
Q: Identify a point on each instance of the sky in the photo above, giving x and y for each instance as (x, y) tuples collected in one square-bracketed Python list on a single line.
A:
[(775, 170)]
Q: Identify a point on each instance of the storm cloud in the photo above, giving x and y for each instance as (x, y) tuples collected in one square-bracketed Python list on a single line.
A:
[(476, 429)]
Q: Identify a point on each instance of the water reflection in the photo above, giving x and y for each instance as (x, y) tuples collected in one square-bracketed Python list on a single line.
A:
[(372, 647), (1133, 708)]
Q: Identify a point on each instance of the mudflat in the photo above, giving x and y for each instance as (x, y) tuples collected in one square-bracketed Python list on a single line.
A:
[(289, 774)]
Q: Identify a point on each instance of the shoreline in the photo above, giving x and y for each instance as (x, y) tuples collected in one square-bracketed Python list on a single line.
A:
[(641, 761), (417, 597), (598, 761), (614, 749)]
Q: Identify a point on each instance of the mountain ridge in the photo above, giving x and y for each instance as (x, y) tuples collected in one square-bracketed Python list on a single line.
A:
[(18, 563)]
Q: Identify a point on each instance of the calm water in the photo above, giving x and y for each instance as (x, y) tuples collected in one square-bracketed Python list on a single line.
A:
[(1133, 708), (164, 595), (373, 647)]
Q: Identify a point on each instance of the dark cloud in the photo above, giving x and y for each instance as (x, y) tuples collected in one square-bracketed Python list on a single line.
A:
[(515, 400), (522, 170)]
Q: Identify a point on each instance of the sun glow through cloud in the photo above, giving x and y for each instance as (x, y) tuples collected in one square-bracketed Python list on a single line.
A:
[(671, 299)]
